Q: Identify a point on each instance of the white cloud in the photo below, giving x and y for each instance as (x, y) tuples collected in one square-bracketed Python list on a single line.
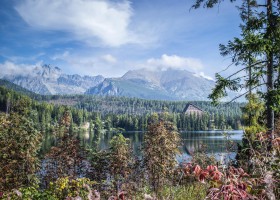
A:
[(174, 61), (201, 74), (10, 68), (85, 19), (18, 59), (109, 59), (62, 56), (105, 65)]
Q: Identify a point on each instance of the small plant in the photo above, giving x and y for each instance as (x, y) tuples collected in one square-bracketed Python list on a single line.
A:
[(66, 187), (200, 157), (233, 184)]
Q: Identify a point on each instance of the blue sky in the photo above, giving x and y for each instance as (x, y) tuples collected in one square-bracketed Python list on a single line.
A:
[(110, 37)]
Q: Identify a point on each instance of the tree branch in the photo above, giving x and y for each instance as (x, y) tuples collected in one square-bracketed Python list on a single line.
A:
[(244, 93), (264, 61)]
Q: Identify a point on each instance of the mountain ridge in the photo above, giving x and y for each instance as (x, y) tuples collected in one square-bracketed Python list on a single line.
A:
[(168, 84), (17, 88), (48, 80)]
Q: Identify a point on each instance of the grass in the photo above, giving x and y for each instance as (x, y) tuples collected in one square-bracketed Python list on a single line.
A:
[(191, 191)]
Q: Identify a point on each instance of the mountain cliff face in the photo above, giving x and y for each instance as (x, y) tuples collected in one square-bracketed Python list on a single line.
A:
[(166, 85), (50, 80), (129, 88)]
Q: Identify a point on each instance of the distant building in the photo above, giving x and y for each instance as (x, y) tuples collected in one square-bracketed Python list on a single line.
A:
[(192, 109)]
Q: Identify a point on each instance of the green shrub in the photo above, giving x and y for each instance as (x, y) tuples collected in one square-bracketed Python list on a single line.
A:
[(66, 187)]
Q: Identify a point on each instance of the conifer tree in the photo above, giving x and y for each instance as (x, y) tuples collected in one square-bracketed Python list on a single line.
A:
[(19, 144), (120, 159), (160, 148), (257, 51)]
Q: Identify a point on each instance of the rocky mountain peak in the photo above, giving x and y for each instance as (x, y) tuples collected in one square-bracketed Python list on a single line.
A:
[(47, 71), (168, 84), (47, 79)]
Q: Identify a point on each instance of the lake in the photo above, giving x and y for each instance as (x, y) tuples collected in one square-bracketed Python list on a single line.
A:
[(221, 144), (217, 143)]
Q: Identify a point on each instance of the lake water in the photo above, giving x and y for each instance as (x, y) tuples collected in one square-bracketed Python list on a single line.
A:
[(221, 144)]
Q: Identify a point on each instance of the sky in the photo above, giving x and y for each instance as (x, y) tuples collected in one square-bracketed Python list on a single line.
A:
[(110, 37)]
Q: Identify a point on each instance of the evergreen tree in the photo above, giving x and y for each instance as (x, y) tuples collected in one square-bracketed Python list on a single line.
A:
[(120, 160), (19, 144), (160, 148), (257, 50)]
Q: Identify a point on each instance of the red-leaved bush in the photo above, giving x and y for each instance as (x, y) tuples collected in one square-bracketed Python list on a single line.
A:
[(232, 184)]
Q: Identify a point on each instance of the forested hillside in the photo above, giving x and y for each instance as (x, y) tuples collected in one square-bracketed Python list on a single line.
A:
[(19, 89), (127, 113), (43, 115), (133, 113)]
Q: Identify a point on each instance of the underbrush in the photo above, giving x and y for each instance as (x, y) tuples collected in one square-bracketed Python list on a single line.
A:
[(116, 175)]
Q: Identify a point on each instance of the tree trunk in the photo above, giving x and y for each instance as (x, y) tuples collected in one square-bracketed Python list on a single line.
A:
[(249, 63), (270, 112)]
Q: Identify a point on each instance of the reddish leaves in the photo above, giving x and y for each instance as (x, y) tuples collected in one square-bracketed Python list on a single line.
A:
[(230, 185)]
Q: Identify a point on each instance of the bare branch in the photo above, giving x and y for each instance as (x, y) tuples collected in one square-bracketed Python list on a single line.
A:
[(264, 61), (244, 93), (226, 68), (236, 72)]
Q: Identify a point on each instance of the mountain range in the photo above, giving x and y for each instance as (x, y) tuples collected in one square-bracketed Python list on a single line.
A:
[(48, 80), (169, 84)]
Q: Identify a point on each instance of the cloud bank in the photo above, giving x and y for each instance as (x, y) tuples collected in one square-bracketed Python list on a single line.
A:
[(109, 58), (85, 19), (108, 65), (9, 68), (177, 62), (174, 61)]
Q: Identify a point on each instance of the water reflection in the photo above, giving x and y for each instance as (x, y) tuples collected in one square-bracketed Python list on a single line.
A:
[(218, 143), (215, 141), (221, 144)]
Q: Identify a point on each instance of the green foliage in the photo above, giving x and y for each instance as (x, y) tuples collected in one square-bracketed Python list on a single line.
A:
[(220, 89), (14, 87), (207, 3), (114, 170), (258, 50), (19, 144), (62, 188), (252, 113), (120, 160), (133, 114), (160, 148), (31, 192), (67, 187), (251, 131), (65, 160), (99, 161), (263, 154), (68, 157), (200, 157), (253, 110), (184, 192)]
